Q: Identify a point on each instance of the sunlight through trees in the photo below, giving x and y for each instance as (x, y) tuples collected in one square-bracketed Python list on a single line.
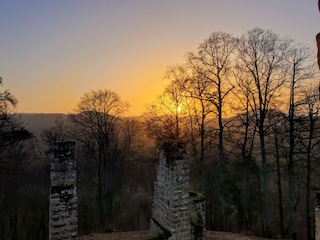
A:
[(247, 109)]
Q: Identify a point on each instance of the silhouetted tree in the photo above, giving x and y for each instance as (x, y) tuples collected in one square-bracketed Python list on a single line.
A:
[(18, 171), (300, 69), (166, 116), (95, 121), (196, 108), (278, 134), (58, 133), (261, 54), (213, 63), (243, 125), (308, 142)]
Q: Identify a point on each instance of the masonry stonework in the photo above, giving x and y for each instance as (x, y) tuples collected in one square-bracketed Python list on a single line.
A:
[(63, 215), (175, 215)]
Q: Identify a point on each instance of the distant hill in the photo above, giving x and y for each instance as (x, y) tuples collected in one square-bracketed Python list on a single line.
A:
[(37, 122)]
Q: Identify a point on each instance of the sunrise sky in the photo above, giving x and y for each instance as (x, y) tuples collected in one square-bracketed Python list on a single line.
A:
[(51, 52)]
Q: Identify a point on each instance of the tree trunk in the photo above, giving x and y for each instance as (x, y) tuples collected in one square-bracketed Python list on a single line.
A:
[(308, 182), (291, 168), (100, 200), (264, 184), (279, 182)]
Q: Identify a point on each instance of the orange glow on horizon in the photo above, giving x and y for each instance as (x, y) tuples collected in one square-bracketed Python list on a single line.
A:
[(55, 52)]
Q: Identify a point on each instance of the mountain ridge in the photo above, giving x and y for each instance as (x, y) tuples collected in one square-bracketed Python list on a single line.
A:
[(37, 122)]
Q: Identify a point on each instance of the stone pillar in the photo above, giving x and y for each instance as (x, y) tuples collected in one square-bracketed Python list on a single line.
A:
[(317, 216), (170, 209), (63, 215)]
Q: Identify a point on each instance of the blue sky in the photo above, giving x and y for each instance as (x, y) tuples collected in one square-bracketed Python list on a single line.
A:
[(54, 51)]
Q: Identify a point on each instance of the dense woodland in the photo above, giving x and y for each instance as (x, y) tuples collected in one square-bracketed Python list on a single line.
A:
[(246, 106)]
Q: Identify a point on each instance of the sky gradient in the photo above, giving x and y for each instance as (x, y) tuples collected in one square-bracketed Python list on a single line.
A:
[(54, 51)]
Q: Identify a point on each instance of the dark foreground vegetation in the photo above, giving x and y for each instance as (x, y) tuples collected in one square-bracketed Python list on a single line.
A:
[(248, 109)]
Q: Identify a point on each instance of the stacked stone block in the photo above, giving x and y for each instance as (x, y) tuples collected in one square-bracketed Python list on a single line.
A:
[(171, 214), (63, 215)]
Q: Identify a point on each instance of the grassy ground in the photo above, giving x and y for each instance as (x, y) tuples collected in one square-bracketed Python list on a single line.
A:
[(144, 235)]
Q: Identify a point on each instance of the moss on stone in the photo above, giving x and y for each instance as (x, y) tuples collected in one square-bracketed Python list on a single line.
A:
[(196, 197)]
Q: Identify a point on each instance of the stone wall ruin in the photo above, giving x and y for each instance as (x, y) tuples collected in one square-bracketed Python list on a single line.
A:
[(63, 215), (176, 213)]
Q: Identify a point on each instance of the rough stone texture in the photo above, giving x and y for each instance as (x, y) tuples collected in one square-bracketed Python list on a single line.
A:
[(172, 206), (63, 215)]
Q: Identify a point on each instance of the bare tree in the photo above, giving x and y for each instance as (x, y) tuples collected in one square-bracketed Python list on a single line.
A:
[(261, 54), (197, 107), (201, 86), (165, 118), (213, 63), (17, 175), (309, 140), (7, 100), (96, 125), (300, 69), (245, 127), (278, 130), (59, 132)]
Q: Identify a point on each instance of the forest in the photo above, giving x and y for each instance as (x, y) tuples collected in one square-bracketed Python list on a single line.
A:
[(248, 109)]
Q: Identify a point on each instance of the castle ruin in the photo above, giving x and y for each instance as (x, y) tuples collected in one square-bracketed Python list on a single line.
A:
[(63, 215), (177, 213)]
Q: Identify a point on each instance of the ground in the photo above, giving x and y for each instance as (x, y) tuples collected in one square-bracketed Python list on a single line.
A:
[(144, 235)]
